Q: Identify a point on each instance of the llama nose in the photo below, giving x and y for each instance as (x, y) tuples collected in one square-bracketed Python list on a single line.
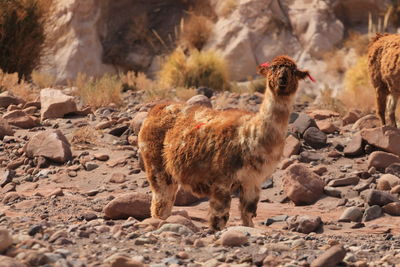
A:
[(282, 80)]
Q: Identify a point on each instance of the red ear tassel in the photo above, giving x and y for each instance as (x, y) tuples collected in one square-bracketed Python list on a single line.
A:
[(311, 78), (265, 64)]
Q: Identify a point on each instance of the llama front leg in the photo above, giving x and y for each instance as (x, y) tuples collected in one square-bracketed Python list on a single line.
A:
[(220, 203), (381, 103), (249, 196), (392, 109)]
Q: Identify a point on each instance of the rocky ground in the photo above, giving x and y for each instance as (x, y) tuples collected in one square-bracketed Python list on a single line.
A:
[(73, 193)]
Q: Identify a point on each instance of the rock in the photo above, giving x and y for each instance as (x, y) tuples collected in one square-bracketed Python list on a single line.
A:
[(301, 185), (51, 144), (122, 261), (332, 191), (314, 137), (292, 146), (56, 192), (322, 114), (382, 160), (10, 197), (367, 122), (393, 169), (301, 124), (355, 147), (309, 156), (90, 166), (20, 119), (326, 126), (279, 218), (377, 197), (233, 238), (118, 178), (5, 129), (175, 228), (372, 213), (137, 121), (7, 99), (351, 214), (6, 239), (352, 180), (136, 205), (304, 223), (105, 124), (386, 138), (101, 157), (201, 100), (330, 258), (15, 164), (185, 198), (55, 104), (35, 229), (11, 262), (395, 189), (351, 117), (208, 92), (387, 182), (7, 177), (178, 219), (392, 208)]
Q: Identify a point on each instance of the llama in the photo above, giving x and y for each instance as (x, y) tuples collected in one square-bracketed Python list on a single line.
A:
[(384, 72), (213, 152)]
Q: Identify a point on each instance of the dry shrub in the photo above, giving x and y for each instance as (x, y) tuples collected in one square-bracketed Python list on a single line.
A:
[(86, 135), (43, 80), (227, 7), (357, 41), (358, 92), (185, 93), (22, 34), (200, 68), (335, 62), (99, 92), (195, 31), (326, 100), (21, 89)]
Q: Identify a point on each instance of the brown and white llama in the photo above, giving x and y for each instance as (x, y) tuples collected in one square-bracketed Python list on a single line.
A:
[(384, 71), (214, 152)]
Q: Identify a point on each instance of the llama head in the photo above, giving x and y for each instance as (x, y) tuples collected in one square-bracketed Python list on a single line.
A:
[(282, 75)]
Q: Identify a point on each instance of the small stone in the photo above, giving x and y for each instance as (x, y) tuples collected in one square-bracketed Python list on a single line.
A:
[(377, 197), (72, 173), (392, 208), (7, 177), (372, 213), (326, 126), (332, 191), (118, 178), (89, 216), (382, 160), (309, 156), (233, 238), (89, 166), (320, 170), (315, 137), (175, 228), (105, 124), (136, 205), (330, 258), (351, 214), (387, 181), (352, 180), (355, 147), (57, 192), (301, 124), (304, 224), (351, 117), (292, 146), (35, 229), (101, 157), (6, 239)]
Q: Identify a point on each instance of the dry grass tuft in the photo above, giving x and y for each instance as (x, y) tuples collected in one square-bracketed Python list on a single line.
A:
[(99, 92), (326, 100), (21, 89), (22, 34), (195, 31), (358, 92), (204, 68), (43, 80)]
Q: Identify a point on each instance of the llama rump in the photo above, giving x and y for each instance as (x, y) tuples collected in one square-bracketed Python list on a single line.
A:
[(213, 152), (384, 72)]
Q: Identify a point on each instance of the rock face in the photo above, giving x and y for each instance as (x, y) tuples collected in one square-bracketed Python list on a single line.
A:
[(302, 185), (386, 138), (56, 104), (50, 144), (135, 205)]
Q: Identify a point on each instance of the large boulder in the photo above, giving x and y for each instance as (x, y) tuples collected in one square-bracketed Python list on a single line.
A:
[(5, 129), (302, 185), (20, 119), (381, 159), (50, 144), (136, 205), (386, 138), (56, 104)]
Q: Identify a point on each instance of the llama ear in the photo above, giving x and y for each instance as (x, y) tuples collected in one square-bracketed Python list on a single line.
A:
[(263, 68), (303, 74)]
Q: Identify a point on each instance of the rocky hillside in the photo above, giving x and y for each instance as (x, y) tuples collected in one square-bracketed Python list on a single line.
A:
[(96, 37)]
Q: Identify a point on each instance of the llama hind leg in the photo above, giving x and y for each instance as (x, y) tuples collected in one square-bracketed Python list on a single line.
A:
[(249, 196), (381, 103), (392, 109), (220, 203)]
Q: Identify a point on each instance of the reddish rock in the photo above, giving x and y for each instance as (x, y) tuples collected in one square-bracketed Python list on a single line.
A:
[(123, 261), (178, 219), (15, 164), (185, 198), (304, 224), (302, 185), (381, 159), (7, 99), (136, 205), (378, 197), (101, 156), (351, 117), (355, 147), (292, 146), (321, 114), (50, 144), (392, 208), (327, 126), (386, 138), (314, 137), (395, 189), (301, 124), (20, 119), (5, 129), (387, 182), (105, 124), (330, 258), (137, 121), (233, 238), (367, 122), (11, 262), (56, 104), (118, 178), (30, 110)]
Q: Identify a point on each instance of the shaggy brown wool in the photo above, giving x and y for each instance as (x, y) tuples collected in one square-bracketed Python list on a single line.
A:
[(384, 71), (212, 152)]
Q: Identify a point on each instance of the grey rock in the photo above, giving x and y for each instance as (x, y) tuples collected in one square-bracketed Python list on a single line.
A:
[(176, 228), (372, 213), (377, 197), (351, 214), (315, 137)]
